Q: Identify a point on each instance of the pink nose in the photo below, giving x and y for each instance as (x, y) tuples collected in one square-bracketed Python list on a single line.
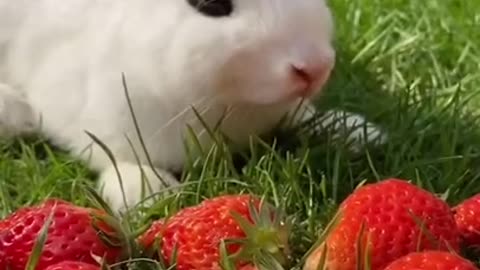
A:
[(307, 77)]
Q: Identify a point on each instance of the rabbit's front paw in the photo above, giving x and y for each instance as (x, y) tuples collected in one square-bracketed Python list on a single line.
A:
[(136, 185), (16, 115), (354, 128)]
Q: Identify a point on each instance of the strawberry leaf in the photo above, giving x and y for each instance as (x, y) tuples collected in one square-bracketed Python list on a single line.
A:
[(225, 262), (268, 233), (265, 261)]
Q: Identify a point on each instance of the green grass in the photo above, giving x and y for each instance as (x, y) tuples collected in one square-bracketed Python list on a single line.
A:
[(411, 66)]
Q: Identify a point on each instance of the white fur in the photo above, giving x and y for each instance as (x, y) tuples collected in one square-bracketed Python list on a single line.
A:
[(61, 64), (16, 116)]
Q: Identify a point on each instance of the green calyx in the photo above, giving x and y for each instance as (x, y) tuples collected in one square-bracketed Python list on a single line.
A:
[(266, 238)]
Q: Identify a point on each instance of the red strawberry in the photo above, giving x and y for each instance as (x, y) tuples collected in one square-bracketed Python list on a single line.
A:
[(73, 265), (71, 235), (431, 260), (391, 212), (467, 216), (197, 232)]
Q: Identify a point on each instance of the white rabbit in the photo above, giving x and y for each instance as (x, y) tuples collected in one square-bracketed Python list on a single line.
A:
[(61, 65)]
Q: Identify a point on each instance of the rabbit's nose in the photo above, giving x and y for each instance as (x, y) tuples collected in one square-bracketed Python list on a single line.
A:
[(308, 77)]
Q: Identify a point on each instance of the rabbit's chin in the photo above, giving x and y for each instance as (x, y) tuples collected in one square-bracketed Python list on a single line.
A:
[(265, 98), (258, 94)]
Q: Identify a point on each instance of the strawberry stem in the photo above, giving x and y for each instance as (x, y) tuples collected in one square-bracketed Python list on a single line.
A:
[(266, 236)]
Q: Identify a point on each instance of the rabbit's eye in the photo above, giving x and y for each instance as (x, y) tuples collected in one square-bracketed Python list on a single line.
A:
[(213, 8)]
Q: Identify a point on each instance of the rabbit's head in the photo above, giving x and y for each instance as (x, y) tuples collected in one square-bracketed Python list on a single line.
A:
[(259, 52)]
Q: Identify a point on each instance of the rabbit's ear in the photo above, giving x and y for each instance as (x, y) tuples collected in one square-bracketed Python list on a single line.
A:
[(213, 8)]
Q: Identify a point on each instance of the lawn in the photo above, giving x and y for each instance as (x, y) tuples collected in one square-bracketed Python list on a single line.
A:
[(412, 67)]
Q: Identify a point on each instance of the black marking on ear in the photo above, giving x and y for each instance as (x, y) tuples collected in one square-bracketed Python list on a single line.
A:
[(213, 8)]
